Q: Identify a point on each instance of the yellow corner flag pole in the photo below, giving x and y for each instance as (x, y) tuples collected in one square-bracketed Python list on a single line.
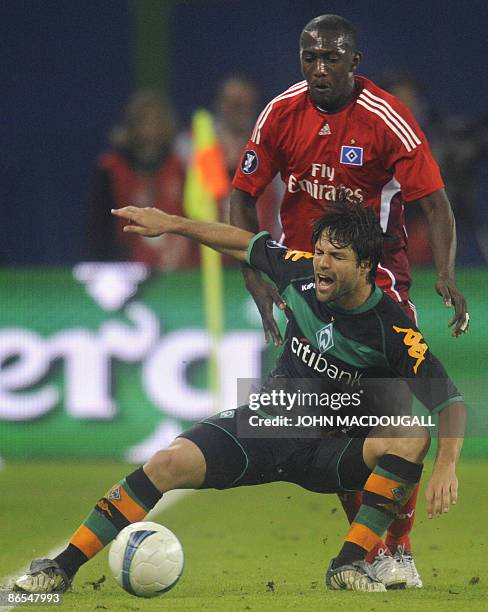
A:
[(206, 183)]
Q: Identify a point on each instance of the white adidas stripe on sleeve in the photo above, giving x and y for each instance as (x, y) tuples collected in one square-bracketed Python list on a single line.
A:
[(391, 118), (392, 127), (407, 127), (292, 91)]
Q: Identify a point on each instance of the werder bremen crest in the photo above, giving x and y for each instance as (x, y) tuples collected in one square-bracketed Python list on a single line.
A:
[(325, 339), (114, 493), (398, 493)]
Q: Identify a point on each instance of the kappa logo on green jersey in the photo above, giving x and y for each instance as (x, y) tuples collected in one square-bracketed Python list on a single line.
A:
[(416, 345), (325, 340), (296, 255)]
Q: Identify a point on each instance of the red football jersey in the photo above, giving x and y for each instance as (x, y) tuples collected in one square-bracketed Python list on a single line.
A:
[(373, 147)]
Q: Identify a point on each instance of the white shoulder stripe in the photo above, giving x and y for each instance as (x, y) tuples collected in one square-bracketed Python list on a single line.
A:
[(295, 90), (263, 120), (292, 88), (382, 116), (407, 126), (292, 91), (392, 118)]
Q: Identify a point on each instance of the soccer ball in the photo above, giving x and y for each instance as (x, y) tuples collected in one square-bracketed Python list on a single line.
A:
[(146, 559)]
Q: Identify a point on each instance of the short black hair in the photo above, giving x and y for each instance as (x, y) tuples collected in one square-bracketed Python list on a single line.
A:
[(348, 222), (333, 23)]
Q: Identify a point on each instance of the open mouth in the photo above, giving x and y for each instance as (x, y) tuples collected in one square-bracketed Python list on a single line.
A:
[(325, 282), (320, 87)]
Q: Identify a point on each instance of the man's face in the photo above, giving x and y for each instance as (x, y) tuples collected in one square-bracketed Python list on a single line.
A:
[(237, 106), (338, 276), (328, 65), (149, 132)]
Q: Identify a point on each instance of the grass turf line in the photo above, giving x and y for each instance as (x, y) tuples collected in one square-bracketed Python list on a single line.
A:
[(262, 548)]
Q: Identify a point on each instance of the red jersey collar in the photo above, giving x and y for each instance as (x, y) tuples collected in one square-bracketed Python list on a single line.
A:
[(360, 83)]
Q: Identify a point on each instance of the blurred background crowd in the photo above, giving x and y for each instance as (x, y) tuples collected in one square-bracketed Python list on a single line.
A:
[(97, 112)]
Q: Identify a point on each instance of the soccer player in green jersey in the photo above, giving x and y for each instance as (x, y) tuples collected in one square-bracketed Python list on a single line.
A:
[(343, 332)]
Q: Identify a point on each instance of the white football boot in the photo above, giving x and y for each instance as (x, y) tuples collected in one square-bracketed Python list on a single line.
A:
[(356, 576), (406, 562), (43, 576), (389, 571)]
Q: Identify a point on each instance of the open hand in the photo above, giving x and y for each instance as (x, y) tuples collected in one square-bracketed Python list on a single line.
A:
[(442, 490), (265, 295), (452, 296)]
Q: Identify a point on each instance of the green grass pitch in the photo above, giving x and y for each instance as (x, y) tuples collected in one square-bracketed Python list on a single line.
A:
[(259, 549)]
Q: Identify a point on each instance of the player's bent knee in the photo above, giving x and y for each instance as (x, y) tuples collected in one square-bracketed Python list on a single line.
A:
[(411, 443), (180, 466)]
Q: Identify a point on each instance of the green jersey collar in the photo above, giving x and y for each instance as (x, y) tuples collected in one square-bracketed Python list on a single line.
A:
[(371, 302)]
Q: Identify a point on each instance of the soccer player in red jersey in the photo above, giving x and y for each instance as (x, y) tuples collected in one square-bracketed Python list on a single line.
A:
[(337, 129)]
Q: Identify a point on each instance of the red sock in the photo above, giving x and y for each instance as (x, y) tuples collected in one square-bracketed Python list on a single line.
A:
[(398, 532), (351, 502)]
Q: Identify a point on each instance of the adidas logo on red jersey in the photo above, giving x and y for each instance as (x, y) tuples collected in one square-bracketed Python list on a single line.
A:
[(325, 130)]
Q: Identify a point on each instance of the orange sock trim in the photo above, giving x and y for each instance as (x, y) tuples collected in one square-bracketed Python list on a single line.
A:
[(362, 536), (381, 486), (86, 541)]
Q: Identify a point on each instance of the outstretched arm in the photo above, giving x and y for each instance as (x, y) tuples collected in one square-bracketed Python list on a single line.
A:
[(443, 241), (154, 222)]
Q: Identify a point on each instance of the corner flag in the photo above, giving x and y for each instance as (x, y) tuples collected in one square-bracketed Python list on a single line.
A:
[(206, 183)]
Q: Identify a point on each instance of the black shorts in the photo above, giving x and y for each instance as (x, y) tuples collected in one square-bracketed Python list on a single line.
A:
[(331, 464)]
